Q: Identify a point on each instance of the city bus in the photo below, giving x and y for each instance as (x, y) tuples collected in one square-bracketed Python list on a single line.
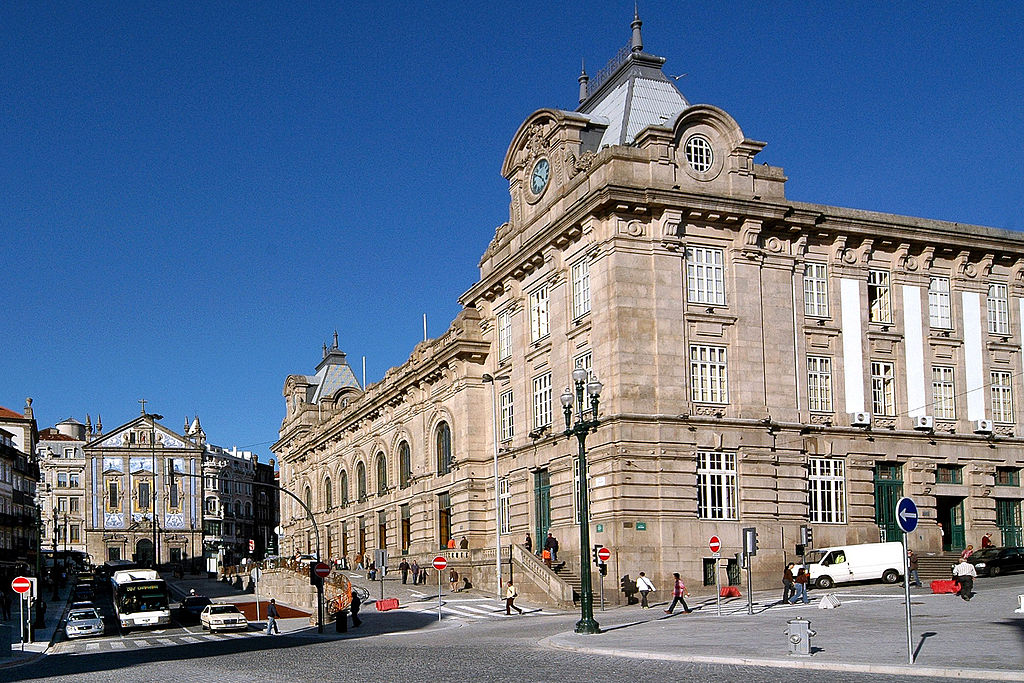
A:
[(140, 598)]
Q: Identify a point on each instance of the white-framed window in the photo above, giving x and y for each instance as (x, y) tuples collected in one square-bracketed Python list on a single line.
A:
[(716, 485), (1002, 397), (507, 416), (69, 452), (576, 489), (542, 400), (943, 394), (585, 361), (939, 315), (504, 505), (504, 334), (819, 384), (879, 301), (62, 480), (827, 483), (74, 479), (699, 153), (705, 276), (816, 290), (883, 389), (580, 288), (709, 374), (998, 310), (539, 313)]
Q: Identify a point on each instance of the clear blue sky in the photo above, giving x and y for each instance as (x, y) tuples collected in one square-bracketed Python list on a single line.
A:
[(192, 199)]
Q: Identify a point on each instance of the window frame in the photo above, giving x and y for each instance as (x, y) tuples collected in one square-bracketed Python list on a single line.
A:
[(816, 290), (883, 388), (542, 397), (998, 307), (826, 488), (1001, 392), (819, 384), (940, 310), (721, 476), (880, 297), (506, 412), (504, 325), (443, 453), (943, 392), (709, 374), (705, 276), (540, 313), (580, 277)]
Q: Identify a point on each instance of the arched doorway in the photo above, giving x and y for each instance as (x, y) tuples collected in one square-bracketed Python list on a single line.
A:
[(144, 552)]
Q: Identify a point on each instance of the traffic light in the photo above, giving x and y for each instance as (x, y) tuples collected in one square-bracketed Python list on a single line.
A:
[(750, 541), (806, 535), (603, 569), (593, 555), (314, 580)]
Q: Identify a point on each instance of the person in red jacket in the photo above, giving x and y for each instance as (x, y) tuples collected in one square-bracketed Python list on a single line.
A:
[(679, 592)]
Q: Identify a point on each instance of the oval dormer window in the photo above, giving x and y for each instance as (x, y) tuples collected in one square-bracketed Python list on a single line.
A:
[(699, 153)]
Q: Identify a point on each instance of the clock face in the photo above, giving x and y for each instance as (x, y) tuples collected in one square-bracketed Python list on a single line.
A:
[(539, 177)]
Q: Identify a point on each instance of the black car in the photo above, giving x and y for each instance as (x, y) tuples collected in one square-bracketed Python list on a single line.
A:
[(193, 605), (996, 561)]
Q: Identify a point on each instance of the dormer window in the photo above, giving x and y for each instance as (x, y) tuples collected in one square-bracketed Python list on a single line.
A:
[(699, 153)]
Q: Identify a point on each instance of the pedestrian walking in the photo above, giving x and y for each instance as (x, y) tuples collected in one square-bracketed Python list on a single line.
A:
[(272, 615), (551, 544), (453, 580), (528, 544), (645, 587), (915, 580), (415, 567), (404, 568), (354, 609), (788, 588), (546, 556), (510, 599), (801, 579), (679, 592), (965, 574)]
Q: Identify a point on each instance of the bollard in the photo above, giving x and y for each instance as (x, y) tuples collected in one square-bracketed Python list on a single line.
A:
[(1020, 605), (341, 621), (800, 635)]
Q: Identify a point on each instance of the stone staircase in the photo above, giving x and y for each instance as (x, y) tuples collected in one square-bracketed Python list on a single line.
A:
[(563, 572), (935, 566)]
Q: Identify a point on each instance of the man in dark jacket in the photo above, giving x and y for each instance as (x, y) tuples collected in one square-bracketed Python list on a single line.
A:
[(354, 609), (404, 568), (272, 618), (551, 544), (788, 590)]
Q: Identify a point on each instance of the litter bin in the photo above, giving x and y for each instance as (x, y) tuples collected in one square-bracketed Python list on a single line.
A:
[(341, 621)]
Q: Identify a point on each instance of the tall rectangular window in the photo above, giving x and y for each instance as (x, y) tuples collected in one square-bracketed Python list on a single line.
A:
[(62, 480), (507, 416), (716, 485), (943, 401), (827, 485), (709, 376), (819, 384), (580, 288), (879, 302), (883, 389), (539, 314), (504, 335), (74, 505), (504, 506), (585, 361), (1002, 397), (816, 290), (939, 315), (998, 310), (74, 480), (542, 400), (76, 536), (705, 276), (113, 500)]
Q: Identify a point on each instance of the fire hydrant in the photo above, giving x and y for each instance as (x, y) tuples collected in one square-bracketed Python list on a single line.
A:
[(800, 635)]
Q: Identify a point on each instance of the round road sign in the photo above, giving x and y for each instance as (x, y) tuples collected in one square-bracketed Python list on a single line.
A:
[(322, 570), (715, 544), (906, 514), (604, 554), (21, 585), (440, 564)]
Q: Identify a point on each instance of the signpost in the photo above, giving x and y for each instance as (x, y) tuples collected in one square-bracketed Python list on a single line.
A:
[(715, 544), (603, 555), (22, 586), (380, 558), (256, 575), (440, 564), (906, 519)]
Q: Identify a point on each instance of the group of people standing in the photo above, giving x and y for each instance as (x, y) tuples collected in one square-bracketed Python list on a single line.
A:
[(794, 587)]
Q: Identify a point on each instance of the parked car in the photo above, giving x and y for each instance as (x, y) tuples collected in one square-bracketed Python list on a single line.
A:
[(84, 621), (192, 606), (856, 562), (83, 592), (218, 617), (996, 561)]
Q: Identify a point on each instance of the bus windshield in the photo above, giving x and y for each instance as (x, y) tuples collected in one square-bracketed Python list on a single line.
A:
[(141, 596)]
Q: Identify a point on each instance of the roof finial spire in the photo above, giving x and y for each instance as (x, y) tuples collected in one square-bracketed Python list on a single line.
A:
[(584, 79), (637, 43), (335, 339)]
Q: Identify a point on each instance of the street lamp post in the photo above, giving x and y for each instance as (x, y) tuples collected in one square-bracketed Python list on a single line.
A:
[(491, 379), (54, 576), (584, 425)]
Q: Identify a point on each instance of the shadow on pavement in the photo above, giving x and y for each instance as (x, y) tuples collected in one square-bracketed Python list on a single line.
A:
[(920, 644)]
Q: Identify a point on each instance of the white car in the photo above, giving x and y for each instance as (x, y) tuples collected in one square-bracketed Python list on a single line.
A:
[(84, 621), (218, 617)]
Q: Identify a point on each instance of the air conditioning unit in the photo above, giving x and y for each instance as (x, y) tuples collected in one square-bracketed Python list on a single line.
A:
[(983, 426), (924, 422), (860, 419)]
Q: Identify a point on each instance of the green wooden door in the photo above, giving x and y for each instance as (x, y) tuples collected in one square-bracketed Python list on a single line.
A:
[(542, 507), (1008, 519), (888, 490), (957, 540)]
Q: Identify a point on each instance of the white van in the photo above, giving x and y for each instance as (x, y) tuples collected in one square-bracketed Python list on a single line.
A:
[(863, 562)]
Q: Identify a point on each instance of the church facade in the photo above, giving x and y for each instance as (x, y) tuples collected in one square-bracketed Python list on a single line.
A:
[(765, 363)]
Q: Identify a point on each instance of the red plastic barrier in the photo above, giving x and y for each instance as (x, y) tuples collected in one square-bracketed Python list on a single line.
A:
[(385, 605), (945, 586), (729, 592)]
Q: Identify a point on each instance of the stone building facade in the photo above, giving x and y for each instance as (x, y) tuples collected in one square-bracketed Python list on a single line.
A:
[(19, 475), (766, 363), (61, 456)]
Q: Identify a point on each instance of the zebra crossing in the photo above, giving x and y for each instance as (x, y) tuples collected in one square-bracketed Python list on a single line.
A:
[(470, 610), (85, 647)]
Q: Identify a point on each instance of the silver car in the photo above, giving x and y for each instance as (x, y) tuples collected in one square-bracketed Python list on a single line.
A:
[(220, 617), (84, 621)]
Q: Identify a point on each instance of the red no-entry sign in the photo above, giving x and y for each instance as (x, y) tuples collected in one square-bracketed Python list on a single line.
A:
[(440, 564), (21, 585), (715, 544), (604, 554), (322, 570)]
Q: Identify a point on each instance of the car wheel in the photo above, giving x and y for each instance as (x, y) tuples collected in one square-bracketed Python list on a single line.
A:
[(995, 571), (824, 582), (890, 576)]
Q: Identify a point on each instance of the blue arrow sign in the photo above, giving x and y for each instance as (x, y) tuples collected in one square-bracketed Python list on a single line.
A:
[(906, 514)]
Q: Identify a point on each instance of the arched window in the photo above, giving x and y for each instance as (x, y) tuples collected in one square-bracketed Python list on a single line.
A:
[(382, 474), (309, 499), (361, 481), (328, 494), (248, 509), (238, 508), (343, 485), (444, 448), (404, 464)]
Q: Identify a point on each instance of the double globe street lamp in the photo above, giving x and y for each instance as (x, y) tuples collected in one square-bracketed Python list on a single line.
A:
[(586, 422)]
